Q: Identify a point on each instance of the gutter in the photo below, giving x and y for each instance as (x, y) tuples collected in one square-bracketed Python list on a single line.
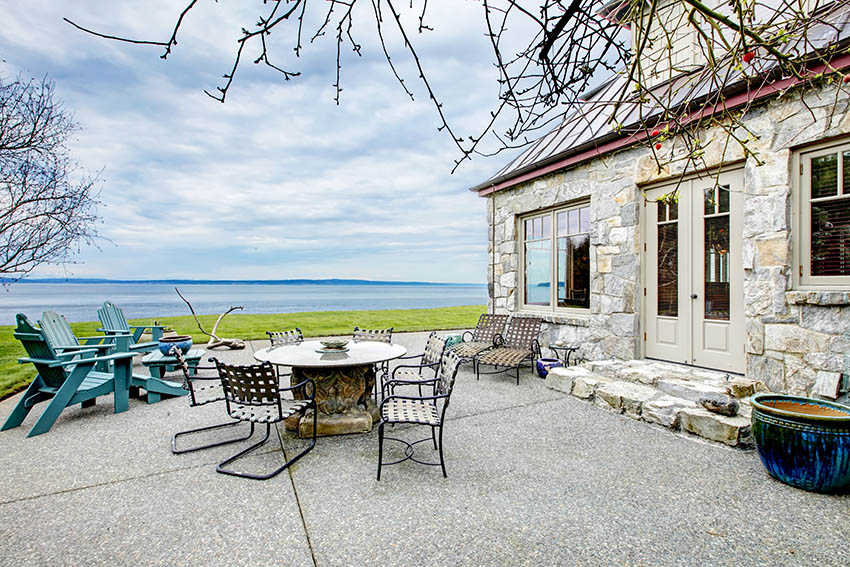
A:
[(600, 146)]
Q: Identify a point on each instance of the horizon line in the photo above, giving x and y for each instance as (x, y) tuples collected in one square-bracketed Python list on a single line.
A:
[(188, 281)]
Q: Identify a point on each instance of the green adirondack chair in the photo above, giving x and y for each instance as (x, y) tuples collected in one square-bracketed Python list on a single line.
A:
[(61, 337), (58, 333), (113, 322), (66, 378)]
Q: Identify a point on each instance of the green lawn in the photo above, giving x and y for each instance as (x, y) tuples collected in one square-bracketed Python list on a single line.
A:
[(15, 377)]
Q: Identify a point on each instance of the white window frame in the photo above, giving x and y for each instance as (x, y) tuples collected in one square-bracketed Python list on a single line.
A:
[(553, 260), (802, 227)]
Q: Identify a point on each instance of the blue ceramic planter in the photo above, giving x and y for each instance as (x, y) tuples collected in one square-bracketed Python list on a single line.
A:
[(183, 342), (803, 442), (544, 365)]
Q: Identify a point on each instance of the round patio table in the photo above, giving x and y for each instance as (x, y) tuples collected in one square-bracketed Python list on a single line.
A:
[(344, 382)]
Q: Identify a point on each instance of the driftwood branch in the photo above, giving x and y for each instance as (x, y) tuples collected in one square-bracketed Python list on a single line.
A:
[(215, 340)]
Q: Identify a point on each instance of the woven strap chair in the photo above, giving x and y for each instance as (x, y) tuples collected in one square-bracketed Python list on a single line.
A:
[(382, 369), (252, 394), (429, 409), (284, 338), (428, 360), (518, 344), (204, 387), (481, 338)]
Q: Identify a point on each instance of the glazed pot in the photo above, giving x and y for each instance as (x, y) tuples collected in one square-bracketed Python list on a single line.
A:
[(803, 442), (544, 365), (183, 342)]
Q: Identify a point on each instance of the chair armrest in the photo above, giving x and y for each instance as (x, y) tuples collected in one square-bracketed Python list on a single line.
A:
[(54, 363), (147, 326), (82, 347), (411, 357), (420, 366), (101, 337), (463, 336), (498, 340), (108, 357), (412, 398), (301, 385)]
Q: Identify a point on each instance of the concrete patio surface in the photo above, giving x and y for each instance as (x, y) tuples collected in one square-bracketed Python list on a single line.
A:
[(535, 477)]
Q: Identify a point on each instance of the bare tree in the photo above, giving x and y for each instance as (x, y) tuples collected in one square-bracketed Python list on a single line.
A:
[(45, 210), (575, 45)]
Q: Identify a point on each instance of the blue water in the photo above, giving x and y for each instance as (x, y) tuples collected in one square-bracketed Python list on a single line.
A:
[(80, 301)]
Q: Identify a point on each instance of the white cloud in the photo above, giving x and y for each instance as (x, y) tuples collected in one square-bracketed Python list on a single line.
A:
[(279, 181)]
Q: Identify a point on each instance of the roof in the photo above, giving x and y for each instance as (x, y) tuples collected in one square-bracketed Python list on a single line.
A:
[(591, 128)]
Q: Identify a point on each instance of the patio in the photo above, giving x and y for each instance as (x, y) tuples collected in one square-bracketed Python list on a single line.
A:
[(535, 476)]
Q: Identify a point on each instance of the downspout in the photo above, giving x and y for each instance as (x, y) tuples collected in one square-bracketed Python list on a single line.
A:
[(492, 284)]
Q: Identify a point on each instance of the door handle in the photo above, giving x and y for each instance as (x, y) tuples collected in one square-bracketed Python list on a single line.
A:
[(693, 296)]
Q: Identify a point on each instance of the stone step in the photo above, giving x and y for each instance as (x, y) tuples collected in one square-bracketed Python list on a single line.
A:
[(671, 401)]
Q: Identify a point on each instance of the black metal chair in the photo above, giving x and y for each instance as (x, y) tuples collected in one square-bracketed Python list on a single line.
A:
[(376, 335), (283, 338), (252, 393), (204, 388), (429, 359), (509, 351), (481, 337), (427, 410)]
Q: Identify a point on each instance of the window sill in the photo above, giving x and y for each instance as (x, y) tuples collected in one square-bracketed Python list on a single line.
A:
[(803, 297), (565, 319)]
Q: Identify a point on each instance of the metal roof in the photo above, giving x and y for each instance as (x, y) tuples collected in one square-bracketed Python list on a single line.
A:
[(591, 124)]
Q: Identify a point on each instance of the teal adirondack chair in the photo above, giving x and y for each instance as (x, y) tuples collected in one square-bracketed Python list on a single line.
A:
[(66, 378), (113, 322), (59, 334)]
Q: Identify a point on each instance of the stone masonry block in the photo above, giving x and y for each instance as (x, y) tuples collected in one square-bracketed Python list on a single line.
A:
[(732, 431)]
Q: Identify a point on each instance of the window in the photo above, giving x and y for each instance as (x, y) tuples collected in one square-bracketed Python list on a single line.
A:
[(556, 258), (824, 217)]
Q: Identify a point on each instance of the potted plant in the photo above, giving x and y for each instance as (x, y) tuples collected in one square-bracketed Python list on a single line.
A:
[(803, 442)]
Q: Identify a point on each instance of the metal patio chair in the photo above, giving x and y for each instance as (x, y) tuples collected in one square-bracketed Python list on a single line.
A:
[(252, 393), (283, 338), (518, 344), (429, 359), (204, 387), (481, 338), (427, 410), (381, 336)]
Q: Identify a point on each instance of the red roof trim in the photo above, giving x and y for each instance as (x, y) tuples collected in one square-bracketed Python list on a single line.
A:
[(732, 102)]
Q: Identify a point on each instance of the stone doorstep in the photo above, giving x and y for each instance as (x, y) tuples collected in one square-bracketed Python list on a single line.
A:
[(660, 404)]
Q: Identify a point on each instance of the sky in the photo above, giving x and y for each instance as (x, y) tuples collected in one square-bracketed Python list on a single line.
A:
[(278, 182)]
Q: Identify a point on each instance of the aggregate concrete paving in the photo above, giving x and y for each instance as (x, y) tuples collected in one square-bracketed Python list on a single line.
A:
[(536, 477)]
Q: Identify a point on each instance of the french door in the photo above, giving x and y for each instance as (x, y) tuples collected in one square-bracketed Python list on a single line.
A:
[(693, 272)]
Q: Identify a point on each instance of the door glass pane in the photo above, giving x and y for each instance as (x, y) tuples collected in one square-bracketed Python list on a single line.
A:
[(537, 272), (831, 238), (672, 210), (547, 227), (710, 199), (717, 268), (574, 271), (723, 199), (824, 176), (668, 269)]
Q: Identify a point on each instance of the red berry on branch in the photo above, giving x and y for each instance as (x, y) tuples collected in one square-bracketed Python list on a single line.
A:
[(847, 78), (655, 132), (748, 56), (658, 146)]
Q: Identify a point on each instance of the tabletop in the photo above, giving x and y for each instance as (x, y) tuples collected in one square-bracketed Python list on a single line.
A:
[(304, 355)]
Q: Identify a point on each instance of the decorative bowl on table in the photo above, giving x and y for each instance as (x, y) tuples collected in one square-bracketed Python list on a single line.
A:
[(183, 342), (333, 345)]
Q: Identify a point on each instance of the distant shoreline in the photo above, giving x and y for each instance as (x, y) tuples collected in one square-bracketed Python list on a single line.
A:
[(332, 281)]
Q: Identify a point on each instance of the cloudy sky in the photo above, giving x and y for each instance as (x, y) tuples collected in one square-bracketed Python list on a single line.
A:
[(278, 182)]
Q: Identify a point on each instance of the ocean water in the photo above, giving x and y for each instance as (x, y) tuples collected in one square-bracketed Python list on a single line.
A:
[(80, 301)]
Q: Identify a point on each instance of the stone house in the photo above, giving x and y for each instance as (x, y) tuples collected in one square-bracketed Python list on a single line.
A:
[(746, 270)]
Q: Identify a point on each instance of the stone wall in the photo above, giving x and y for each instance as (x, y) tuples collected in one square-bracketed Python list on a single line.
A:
[(796, 339)]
